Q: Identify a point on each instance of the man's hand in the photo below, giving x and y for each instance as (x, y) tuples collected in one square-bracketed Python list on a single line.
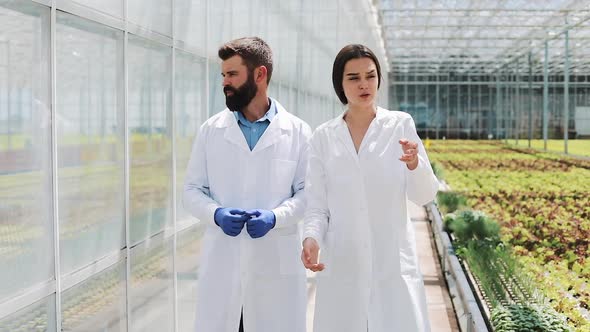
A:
[(410, 156), (260, 222), (309, 255), (230, 220)]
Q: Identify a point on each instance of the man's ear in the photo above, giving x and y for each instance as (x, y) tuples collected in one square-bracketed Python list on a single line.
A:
[(260, 74)]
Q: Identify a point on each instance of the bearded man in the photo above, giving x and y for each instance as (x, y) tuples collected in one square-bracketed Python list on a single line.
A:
[(245, 181)]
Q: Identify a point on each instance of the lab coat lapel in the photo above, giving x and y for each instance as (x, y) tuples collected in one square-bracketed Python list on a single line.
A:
[(233, 133), (270, 137), (344, 136), (274, 131), (372, 132)]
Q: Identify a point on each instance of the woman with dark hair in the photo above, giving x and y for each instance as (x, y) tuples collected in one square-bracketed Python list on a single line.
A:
[(363, 167)]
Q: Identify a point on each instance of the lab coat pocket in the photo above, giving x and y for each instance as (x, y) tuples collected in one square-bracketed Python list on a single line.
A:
[(290, 254), (281, 175)]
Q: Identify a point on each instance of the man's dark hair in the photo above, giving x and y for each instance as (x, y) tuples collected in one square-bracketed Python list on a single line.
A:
[(347, 53), (254, 51)]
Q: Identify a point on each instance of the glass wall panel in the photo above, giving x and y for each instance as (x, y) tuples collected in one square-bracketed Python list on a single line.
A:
[(273, 89), (220, 25), (90, 141), (284, 96), (92, 113), (190, 112), (152, 290), (149, 122), (38, 317), (26, 227), (111, 7), (579, 88), (190, 17), (243, 14), (555, 119), (98, 304), (154, 15), (283, 39), (188, 247), (216, 96)]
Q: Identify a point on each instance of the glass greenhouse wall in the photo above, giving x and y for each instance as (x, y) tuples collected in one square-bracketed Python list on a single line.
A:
[(511, 70), (99, 104), (506, 105)]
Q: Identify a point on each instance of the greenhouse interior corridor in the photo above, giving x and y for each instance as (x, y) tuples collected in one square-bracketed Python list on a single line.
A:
[(101, 102)]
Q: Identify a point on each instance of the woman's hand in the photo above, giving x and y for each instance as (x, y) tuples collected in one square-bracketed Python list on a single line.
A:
[(309, 255), (410, 156)]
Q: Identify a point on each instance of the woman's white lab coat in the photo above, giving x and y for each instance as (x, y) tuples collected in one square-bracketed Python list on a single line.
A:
[(357, 211), (263, 276)]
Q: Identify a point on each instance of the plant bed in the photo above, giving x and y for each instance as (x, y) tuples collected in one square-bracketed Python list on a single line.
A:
[(543, 205)]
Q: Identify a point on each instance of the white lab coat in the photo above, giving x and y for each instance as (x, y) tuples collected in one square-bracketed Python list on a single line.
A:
[(263, 276), (357, 211)]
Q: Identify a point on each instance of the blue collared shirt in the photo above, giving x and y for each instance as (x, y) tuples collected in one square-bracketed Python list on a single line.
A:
[(254, 130)]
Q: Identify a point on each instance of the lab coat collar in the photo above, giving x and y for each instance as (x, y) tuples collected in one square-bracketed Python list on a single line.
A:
[(228, 119), (341, 129), (276, 128), (339, 120)]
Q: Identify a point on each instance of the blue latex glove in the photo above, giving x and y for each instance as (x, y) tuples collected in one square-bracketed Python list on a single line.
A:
[(230, 220), (260, 222)]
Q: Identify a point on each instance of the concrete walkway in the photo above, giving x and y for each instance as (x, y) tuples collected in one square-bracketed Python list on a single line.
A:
[(440, 308)]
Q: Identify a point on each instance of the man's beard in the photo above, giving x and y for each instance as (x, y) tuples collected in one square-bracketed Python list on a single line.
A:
[(241, 96)]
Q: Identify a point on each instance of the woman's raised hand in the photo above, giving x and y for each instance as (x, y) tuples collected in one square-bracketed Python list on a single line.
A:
[(410, 153)]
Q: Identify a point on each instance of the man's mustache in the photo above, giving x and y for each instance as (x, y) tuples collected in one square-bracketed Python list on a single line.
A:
[(229, 88)]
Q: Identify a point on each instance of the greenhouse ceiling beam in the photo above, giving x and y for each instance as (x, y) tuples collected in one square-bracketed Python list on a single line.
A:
[(520, 42), (470, 52), (517, 48), (524, 84), (443, 58), (463, 26), (496, 10), (554, 69), (455, 69), (427, 46), (481, 73), (389, 39), (406, 17), (577, 61), (459, 71), (434, 60)]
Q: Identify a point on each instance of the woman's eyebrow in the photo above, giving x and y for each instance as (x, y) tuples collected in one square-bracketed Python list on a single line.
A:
[(354, 74)]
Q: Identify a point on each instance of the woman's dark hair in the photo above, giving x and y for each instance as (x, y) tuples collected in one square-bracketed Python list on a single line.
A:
[(348, 52), (254, 51)]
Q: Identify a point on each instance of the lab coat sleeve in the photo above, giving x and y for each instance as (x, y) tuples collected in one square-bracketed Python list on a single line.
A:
[(421, 183), (196, 197), (317, 214), (291, 210)]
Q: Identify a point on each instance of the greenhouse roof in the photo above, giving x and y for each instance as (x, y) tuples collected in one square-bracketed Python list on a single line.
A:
[(427, 37)]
